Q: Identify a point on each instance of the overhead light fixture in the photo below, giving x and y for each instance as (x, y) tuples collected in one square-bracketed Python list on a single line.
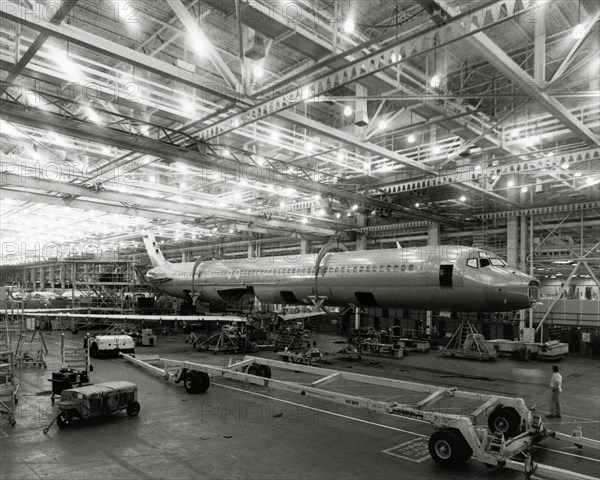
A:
[(524, 189), (435, 81), (411, 138), (260, 161), (93, 116), (510, 183), (349, 25), (309, 146), (478, 168), (106, 151), (463, 198), (354, 207), (578, 32), (347, 110), (340, 156), (304, 220), (578, 174), (417, 205), (258, 70), (274, 135), (382, 125), (550, 154), (338, 215), (565, 166), (436, 149), (589, 180), (226, 153), (514, 132)]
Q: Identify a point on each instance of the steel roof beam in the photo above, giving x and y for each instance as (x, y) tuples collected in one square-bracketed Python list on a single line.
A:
[(191, 25), (35, 46), (126, 55), (150, 204), (488, 49), (38, 119)]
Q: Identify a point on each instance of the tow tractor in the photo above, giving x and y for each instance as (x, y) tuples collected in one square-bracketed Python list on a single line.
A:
[(495, 431)]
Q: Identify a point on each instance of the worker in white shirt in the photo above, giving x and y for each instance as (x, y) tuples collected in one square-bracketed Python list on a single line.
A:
[(556, 387)]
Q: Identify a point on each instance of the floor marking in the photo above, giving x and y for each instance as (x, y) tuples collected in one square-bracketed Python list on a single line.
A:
[(567, 453), (330, 413), (414, 450)]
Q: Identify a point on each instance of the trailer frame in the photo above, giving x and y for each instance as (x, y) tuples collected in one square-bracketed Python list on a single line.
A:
[(499, 429)]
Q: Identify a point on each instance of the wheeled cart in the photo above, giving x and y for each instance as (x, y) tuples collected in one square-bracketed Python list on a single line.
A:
[(490, 428), (93, 400)]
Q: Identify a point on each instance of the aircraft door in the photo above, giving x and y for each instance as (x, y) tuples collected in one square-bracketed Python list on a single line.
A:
[(446, 275)]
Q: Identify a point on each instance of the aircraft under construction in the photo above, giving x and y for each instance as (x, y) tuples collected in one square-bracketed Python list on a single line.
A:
[(448, 278)]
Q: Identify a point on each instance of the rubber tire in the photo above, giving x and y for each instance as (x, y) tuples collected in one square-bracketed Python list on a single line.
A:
[(63, 420), (505, 420), (94, 350), (264, 371), (191, 382), (448, 448), (253, 370), (204, 382), (133, 409)]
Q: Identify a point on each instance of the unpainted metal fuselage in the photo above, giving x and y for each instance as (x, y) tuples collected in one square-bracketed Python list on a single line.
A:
[(452, 278)]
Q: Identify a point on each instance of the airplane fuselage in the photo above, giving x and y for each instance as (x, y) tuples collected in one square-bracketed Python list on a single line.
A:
[(452, 278)]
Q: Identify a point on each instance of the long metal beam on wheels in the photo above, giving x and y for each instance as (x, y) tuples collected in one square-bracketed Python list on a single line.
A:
[(142, 318), (511, 426)]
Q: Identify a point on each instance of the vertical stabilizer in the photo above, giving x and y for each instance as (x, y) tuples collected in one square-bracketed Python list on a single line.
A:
[(156, 256)]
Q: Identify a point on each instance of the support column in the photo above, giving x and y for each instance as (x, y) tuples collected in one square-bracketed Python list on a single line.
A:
[(539, 47), (433, 239), (361, 238), (42, 277), (304, 246), (523, 314), (62, 275), (251, 252), (433, 234), (512, 233), (52, 274)]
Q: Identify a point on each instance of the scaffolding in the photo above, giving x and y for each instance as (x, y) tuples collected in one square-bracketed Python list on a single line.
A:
[(468, 343)]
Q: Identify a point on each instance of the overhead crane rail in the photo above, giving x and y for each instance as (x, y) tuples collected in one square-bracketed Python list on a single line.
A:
[(494, 433)]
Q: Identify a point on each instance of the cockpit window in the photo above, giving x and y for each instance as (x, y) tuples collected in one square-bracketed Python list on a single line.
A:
[(484, 262), (498, 262), (472, 262)]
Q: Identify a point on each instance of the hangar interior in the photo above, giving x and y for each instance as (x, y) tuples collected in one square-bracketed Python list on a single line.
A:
[(244, 129), (234, 129)]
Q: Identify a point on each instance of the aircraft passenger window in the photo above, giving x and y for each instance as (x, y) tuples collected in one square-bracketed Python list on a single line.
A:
[(472, 262), (368, 268), (382, 268), (361, 269), (483, 262), (411, 267), (343, 270), (403, 267), (337, 269), (396, 268)]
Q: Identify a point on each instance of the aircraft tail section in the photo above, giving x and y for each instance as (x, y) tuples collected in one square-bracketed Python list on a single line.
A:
[(156, 256)]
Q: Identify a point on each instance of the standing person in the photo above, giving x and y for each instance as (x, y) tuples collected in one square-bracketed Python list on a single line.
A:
[(556, 386)]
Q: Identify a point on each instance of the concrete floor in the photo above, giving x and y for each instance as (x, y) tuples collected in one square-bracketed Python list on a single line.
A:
[(240, 431)]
